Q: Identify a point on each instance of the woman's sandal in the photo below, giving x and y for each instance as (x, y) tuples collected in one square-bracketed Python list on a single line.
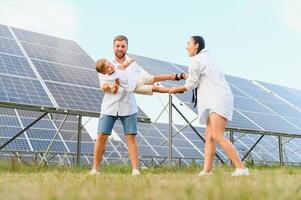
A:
[(180, 76)]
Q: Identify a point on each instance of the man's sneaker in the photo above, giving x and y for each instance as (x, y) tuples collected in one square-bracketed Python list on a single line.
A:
[(203, 173), (241, 172), (135, 172), (94, 172)]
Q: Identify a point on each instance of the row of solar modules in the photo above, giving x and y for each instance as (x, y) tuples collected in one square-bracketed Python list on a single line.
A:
[(38, 137), (31, 64), (152, 141), (66, 71)]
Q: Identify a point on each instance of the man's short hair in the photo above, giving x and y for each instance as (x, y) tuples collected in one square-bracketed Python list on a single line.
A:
[(100, 65), (120, 38)]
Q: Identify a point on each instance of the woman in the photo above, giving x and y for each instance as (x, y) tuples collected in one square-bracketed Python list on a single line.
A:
[(215, 103)]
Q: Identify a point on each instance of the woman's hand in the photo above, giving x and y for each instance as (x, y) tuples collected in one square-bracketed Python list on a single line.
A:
[(175, 90), (172, 90)]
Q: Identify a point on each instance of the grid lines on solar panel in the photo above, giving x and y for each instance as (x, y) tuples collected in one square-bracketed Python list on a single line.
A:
[(75, 97), (23, 90), (284, 92), (42, 145), (4, 31), (10, 46), (17, 144), (14, 65), (58, 56), (46, 40), (9, 124), (67, 74), (263, 108)]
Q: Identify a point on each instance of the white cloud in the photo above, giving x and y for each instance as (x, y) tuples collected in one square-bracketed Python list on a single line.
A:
[(53, 17), (293, 8)]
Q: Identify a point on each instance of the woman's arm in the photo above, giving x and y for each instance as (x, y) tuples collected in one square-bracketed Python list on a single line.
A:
[(194, 74), (179, 89)]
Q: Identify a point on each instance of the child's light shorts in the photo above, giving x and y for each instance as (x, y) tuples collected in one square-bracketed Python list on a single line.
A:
[(145, 85)]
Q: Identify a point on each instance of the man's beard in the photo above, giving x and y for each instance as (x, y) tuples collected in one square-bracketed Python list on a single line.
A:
[(120, 54)]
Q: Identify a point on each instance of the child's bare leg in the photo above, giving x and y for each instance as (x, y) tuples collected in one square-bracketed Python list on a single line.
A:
[(164, 77), (160, 89)]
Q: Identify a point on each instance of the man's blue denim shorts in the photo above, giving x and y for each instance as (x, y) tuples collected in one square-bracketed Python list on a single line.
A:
[(106, 124)]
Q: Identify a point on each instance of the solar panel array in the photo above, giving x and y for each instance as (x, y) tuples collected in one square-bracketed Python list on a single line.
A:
[(37, 69)]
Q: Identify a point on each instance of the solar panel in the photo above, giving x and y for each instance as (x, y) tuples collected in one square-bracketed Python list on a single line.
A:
[(9, 46), (23, 90), (289, 94), (66, 74), (264, 109), (58, 56), (45, 40), (15, 65), (16, 145), (75, 97), (4, 32)]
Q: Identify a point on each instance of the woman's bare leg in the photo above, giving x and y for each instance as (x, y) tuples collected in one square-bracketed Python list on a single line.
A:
[(217, 127), (209, 149)]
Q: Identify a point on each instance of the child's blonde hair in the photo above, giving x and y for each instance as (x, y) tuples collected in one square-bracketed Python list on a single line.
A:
[(100, 65)]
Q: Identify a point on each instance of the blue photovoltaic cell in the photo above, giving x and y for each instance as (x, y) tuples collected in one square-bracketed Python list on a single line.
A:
[(7, 112), (157, 66), (58, 56), (9, 121), (67, 74), (9, 46), (9, 132), (263, 108), (46, 40), (41, 133), (247, 104), (239, 121), (74, 97), (23, 90), (284, 92), (42, 145), (16, 145), (86, 147), (43, 123), (272, 123), (14, 65), (4, 32)]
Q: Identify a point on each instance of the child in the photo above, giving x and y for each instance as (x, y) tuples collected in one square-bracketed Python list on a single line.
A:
[(119, 78)]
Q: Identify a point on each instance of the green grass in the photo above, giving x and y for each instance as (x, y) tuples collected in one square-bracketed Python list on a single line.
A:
[(21, 182)]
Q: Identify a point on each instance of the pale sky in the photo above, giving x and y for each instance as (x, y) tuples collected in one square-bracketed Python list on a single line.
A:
[(253, 39)]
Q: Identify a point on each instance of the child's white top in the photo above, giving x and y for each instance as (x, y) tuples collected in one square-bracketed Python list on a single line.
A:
[(214, 92), (123, 103)]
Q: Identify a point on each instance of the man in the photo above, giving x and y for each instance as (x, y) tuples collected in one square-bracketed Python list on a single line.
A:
[(122, 104)]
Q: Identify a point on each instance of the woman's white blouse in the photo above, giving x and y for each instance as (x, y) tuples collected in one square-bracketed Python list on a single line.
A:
[(214, 92)]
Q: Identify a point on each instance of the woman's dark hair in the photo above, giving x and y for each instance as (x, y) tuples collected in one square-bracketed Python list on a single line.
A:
[(199, 40)]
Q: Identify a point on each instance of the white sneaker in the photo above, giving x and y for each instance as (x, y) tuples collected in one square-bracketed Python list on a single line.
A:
[(203, 173), (135, 172), (241, 172), (94, 172)]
